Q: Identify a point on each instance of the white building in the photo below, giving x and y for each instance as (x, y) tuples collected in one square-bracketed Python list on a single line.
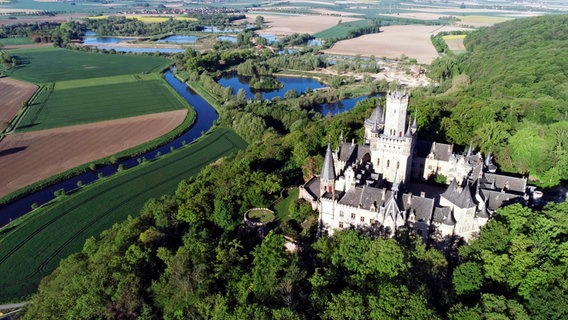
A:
[(381, 182)]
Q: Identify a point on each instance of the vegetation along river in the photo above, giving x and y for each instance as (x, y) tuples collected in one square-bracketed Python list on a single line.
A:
[(206, 115)]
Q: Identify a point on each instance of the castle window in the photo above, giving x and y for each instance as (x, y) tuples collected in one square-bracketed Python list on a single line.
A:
[(353, 216), (341, 224), (400, 133), (362, 219), (388, 163), (341, 213), (397, 164)]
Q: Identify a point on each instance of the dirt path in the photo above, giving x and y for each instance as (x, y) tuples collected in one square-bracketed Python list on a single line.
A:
[(29, 157)]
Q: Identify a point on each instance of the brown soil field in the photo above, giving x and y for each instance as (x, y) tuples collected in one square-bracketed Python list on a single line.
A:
[(13, 93), (285, 24), (29, 157), (455, 44), (392, 42)]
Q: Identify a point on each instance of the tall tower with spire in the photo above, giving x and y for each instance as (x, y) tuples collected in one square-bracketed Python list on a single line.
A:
[(392, 139), (327, 177)]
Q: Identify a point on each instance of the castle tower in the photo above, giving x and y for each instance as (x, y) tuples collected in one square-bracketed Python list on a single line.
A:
[(327, 177), (395, 118), (393, 146)]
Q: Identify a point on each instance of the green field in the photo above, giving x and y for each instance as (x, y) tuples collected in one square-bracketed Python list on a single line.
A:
[(340, 31), (100, 99), (33, 246), (15, 41), (52, 64)]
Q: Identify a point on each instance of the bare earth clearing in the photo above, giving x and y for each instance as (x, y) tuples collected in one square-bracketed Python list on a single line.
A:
[(286, 24), (392, 42), (455, 44), (32, 156), (12, 94)]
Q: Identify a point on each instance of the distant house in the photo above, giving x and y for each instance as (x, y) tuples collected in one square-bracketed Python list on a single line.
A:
[(381, 182)]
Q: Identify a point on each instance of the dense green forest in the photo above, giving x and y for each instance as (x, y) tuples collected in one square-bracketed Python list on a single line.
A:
[(508, 95), (188, 255)]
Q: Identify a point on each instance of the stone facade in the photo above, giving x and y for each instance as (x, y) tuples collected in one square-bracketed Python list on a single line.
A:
[(381, 182)]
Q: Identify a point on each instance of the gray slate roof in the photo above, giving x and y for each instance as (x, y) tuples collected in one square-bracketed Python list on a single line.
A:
[(460, 197), (365, 196), (422, 207), (328, 171), (500, 181), (441, 151)]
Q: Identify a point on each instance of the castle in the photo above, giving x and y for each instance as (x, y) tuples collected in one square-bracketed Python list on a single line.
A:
[(381, 182)]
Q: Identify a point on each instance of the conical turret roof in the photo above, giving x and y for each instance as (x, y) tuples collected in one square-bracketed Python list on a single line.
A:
[(375, 117), (328, 171)]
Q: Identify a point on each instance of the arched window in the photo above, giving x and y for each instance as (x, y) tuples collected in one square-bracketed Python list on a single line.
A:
[(388, 163), (397, 164)]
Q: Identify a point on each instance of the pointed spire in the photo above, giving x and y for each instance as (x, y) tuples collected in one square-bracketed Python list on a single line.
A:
[(395, 183), (408, 131), (328, 172), (414, 126), (488, 159)]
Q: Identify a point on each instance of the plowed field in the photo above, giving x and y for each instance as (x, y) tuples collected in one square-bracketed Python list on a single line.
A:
[(32, 156), (13, 93)]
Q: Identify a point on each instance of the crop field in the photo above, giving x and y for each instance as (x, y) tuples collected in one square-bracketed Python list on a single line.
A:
[(33, 156), (15, 41), (393, 42), (341, 30), (52, 65), (34, 245), (13, 93), (289, 24), (92, 100)]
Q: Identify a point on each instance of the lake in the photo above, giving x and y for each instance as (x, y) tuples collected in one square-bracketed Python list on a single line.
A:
[(300, 84), (178, 39)]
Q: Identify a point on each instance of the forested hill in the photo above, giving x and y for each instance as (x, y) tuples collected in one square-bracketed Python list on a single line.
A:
[(508, 95), (521, 58)]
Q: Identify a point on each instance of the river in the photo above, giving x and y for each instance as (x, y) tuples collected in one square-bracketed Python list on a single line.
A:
[(206, 116)]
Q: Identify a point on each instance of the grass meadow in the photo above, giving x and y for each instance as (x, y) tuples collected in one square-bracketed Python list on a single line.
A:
[(91, 100), (33, 245), (53, 64), (15, 41)]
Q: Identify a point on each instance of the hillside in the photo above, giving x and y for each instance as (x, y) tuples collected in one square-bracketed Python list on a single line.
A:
[(188, 255), (508, 95)]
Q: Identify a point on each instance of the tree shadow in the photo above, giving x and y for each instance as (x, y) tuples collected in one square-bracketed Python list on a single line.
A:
[(11, 151), (28, 125)]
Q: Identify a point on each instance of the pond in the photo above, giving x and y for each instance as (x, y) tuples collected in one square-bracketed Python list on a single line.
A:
[(141, 50), (300, 84), (340, 106), (206, 115), (227, 38), (271, 38), (213, 29), (179, 39), (91, 41)]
